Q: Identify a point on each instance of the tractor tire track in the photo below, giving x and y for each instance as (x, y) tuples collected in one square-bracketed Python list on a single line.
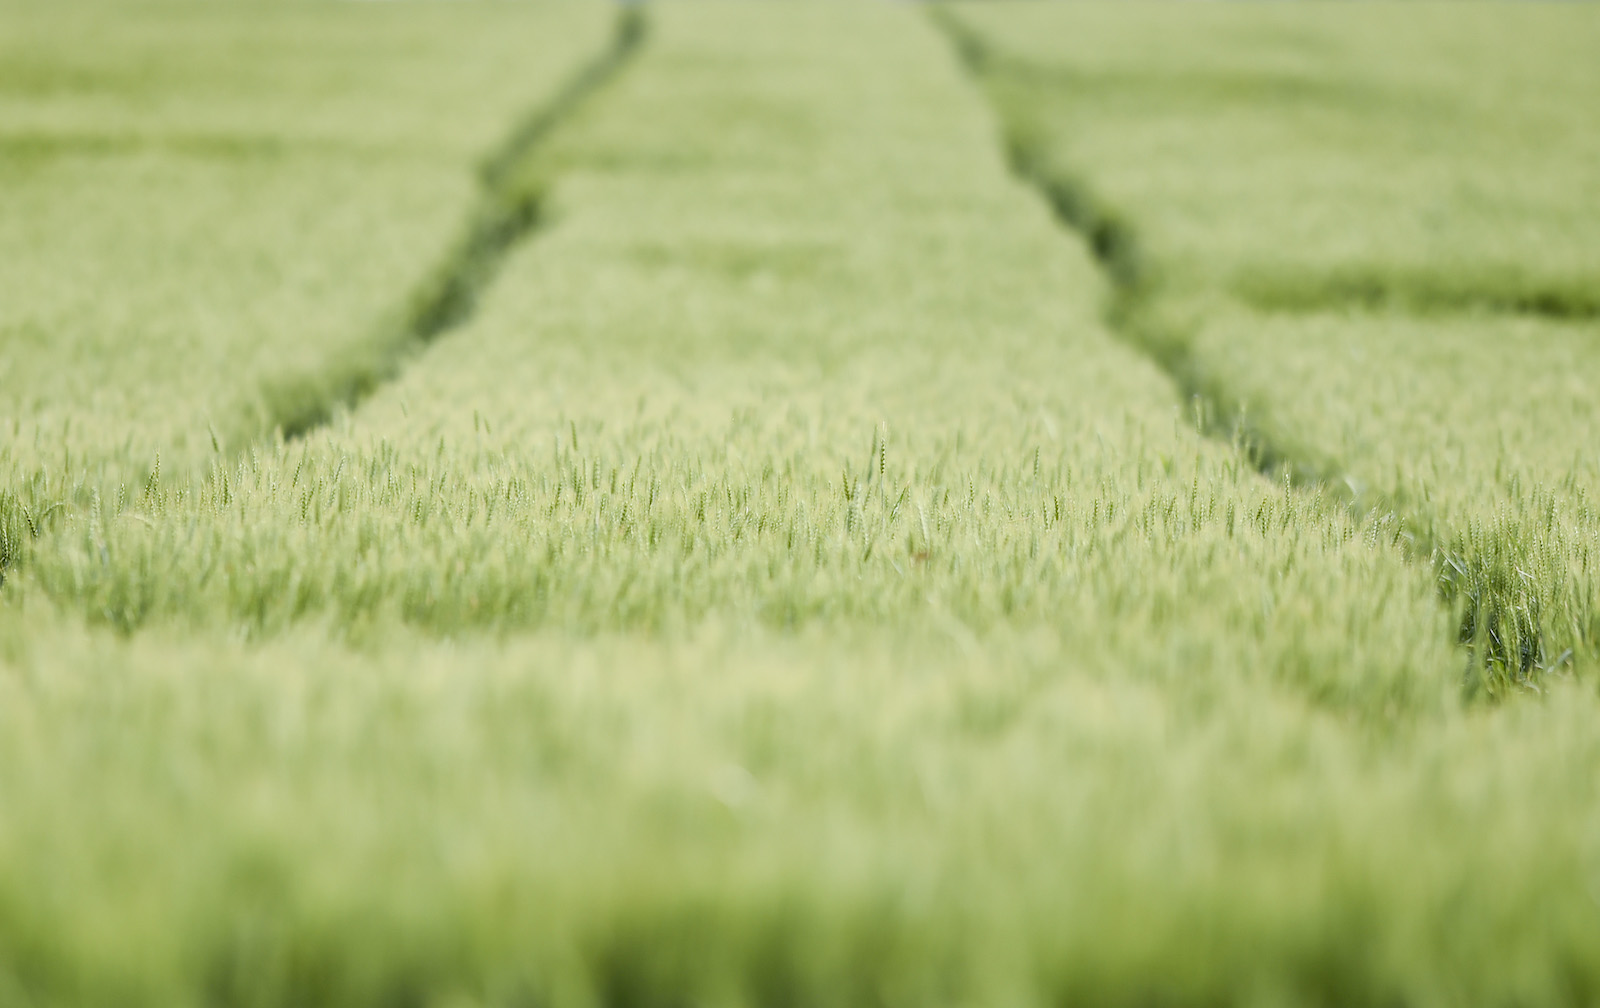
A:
[(1498, 629), (509, 209), (1118, 250)]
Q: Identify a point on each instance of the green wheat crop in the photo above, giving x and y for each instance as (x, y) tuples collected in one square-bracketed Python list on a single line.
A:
[(780, 585)]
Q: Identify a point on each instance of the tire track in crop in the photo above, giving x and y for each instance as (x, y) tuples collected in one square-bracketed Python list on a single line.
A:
[(509, 208), (1501, 636), (1419, 294), (1118, 251), (507, 211), (1350, 288)]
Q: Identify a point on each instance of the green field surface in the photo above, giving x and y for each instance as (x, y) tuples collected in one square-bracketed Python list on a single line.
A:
[(1372, 236), (781, 578)]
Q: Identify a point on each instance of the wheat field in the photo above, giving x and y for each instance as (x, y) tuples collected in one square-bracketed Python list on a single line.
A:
[(721, 504)]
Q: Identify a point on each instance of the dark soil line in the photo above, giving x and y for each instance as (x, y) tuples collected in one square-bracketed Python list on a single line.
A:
[(1503, 642), (509, 209), (1418, 294), (1134, 291)]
